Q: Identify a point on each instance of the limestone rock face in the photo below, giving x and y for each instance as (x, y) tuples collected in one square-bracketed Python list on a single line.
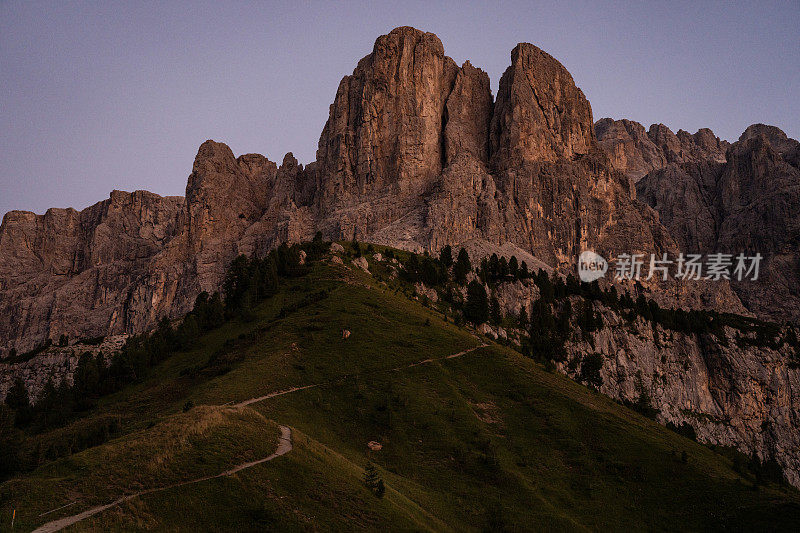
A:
[(468, 116), (540, 115), (636, 152), (746, 205), (224, 196), (383, 136), (78, 273), (745, 397)]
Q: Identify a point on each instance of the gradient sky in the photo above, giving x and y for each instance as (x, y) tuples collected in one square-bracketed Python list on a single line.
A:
[(103, 95)]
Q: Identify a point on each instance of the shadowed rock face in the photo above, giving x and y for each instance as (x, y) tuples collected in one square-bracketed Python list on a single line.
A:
[(636, 152), (80, 273), (748, 204)]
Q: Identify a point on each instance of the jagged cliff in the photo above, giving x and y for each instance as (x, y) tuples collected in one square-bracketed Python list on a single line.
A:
[(416, 153), (637, 152), (731, 392), (746, 204)]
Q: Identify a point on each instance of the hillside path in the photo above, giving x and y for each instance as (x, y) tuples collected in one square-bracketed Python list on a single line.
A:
[(257, 399), (284, 447)]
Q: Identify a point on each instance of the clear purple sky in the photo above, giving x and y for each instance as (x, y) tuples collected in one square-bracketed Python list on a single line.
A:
[(104, 95)]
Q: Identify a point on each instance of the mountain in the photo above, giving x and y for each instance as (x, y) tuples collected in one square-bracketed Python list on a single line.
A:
[(270, 422), (745, 204), (415, 153)]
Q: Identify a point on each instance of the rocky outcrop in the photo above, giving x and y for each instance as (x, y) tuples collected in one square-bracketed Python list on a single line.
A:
[(746, 205), (468, 115), (122, 264), (54, 364), (636, 152), (82, 273), (382, 148), (732, 393)]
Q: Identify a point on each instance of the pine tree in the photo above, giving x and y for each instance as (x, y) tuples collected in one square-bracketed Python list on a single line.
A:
[(523, 318), (564, 318), (86, 380), (236, 282), (463, 266), (215, 316), (494, 267), (10, 443), (590, 370), (546, 290), (476, 308), (371, 476), (188, 332), (523, 271), (17, 399), (543, 342), (446, 256), (494, 311)]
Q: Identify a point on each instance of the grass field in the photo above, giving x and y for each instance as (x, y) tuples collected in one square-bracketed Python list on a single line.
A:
[(486, 441)]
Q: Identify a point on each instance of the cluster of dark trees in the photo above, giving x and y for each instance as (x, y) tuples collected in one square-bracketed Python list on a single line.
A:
[(373, 480), (251, 280), (496, 269), (437, 272)]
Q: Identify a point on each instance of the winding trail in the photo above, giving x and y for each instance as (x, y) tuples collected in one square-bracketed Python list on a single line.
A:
[(284, 446), (250, 401)]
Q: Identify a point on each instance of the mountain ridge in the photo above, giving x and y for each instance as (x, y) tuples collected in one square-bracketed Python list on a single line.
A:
[(416, 153)]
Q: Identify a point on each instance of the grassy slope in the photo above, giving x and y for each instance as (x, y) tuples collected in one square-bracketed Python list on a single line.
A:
[(469, 443)]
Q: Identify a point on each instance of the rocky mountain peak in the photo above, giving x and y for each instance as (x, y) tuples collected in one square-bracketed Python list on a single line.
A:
[(745, 204), (469, 114), (789, 149), (540, 115), (386, 122)]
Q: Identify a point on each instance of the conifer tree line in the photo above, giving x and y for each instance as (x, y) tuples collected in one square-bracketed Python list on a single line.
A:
[(548, 323)]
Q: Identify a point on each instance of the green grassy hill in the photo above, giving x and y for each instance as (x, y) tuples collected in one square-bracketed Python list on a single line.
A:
[(485, 441)]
